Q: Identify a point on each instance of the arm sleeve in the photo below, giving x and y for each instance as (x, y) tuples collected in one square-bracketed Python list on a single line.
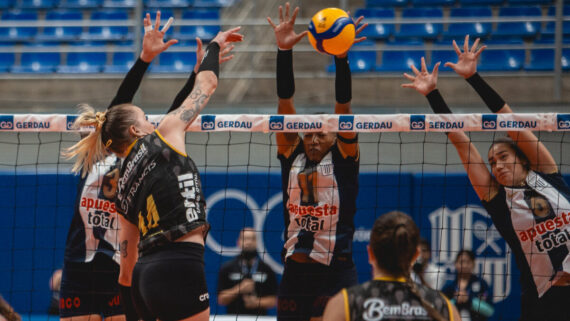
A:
[(183, 93), (130, 84)]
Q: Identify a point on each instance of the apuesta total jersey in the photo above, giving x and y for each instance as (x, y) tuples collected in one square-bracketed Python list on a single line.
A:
[(160, 191)]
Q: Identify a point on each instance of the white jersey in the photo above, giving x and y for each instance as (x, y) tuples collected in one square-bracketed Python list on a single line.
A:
[(95, 224), (539, 215)]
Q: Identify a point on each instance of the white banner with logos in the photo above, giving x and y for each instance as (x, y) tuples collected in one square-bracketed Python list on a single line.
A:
[(317, 123)]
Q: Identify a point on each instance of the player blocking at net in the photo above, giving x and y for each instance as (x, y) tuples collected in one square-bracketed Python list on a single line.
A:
[(524, 193), (159, 191), (320, 185)]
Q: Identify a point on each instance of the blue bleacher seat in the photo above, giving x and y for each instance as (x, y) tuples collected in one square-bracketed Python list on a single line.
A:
[(37, 62), (61, 33), (386, 3), (480, 2), (6, 61), (119, 3), (175, 62), (122, 62), (432, 3), (518, 29), (204, 32), (169, 3), (477, 29), (529, 2), (401, 60), (107, 33), (37, 4), (81, 4), (213, 3), (543, 60), (18, 33), (360, 60), (377, 30), (6, 4), (84, 62), (549, 30), (501, 60), (421, 30), (442, 56)]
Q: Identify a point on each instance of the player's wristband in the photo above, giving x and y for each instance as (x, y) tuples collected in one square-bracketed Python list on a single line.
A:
[(488, 94), (348, 140), (127, 303), (437, 103), (211, 60), (343, 81), (285, 78)]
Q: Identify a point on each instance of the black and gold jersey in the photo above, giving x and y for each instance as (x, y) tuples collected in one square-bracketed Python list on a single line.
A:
[(392, 299), (159, 190)]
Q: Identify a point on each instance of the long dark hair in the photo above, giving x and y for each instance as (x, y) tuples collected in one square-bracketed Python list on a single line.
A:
[(394, 241)]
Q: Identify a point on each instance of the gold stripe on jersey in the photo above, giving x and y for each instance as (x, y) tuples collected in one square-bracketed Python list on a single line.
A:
[(390, 279), (152, 216), (449, 307), (167, 143), (346, 306)]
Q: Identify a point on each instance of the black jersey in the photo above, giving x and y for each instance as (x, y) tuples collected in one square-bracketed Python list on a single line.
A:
[(159, 190), (391, 299)]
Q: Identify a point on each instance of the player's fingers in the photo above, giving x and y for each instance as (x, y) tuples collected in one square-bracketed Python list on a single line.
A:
[(466, 44), (280, 14), (408, 86), (478, 53), (228, 58), (450, 65), (300, 36), (357, 40), (287, 6), (409, 77), (456, 48), (361, 28), (198, 44), (358, 20), (294, 16), (167, 25), (235, 37), (157, 21), (475, 44), (227, 50), (271, 23), (146, 20), (415, 70), (435, 70), (423, 64), (169, 43)]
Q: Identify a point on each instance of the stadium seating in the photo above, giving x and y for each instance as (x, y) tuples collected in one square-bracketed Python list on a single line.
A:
[(474, 29), (36, 4), (518, 29), (501, 60), (6, 4), (37, 62), (119, 3), (386, 3), (80, 4), (18, 34), (432, 3), (528, 2), (169, 3), (543, 60), (6, 61), (213, 3), (549, 30), (204, 32), (122, 62), (83, 62), (360, 60), (400, 60), (106, 33), (479, 3), (442, 56), (61, 33), (175, 62), (421, 30), (377, 30)]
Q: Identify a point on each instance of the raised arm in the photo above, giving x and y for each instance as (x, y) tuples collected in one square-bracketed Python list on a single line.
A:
[(174, 124), (347, 141), (426, 84), (466, 66), (286, 39), (153, 45)]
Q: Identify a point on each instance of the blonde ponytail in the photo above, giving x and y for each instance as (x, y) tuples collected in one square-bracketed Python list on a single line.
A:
[(90, 149)]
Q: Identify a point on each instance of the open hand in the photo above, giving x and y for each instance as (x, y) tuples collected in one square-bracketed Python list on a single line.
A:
[(466, 65), (358, 31), (225, 38), (200, 52), (153, 40), (423, 82), (284, 32)]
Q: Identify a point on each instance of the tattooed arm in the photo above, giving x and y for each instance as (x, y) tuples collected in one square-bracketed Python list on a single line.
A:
[(128, 242)]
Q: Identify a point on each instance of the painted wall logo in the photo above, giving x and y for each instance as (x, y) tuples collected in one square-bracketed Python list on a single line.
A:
[(489, 121), (276, 122), (563, 121), (208, 122), (6, 122), (70, 120), (470, 227), (417, 122), (345, 122)]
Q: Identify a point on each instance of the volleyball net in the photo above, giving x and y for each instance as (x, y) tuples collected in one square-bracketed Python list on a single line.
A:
[(406, 164)]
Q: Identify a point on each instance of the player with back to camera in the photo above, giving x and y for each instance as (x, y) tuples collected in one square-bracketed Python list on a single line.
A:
[(159, 191), (391, 295), (524, 193), (319, 172)]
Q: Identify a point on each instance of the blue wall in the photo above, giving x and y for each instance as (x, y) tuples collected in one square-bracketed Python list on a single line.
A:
[(35, 212)]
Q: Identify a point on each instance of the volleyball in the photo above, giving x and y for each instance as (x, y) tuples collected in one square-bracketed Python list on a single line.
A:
[(331, 31)]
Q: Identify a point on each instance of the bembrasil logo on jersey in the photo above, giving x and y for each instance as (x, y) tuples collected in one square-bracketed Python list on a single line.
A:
[(563, 121), (70, 120), (417, 122), (376, 309), (489, 121), (208, 122), (6, 122), (346, 122), (276, 122)]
